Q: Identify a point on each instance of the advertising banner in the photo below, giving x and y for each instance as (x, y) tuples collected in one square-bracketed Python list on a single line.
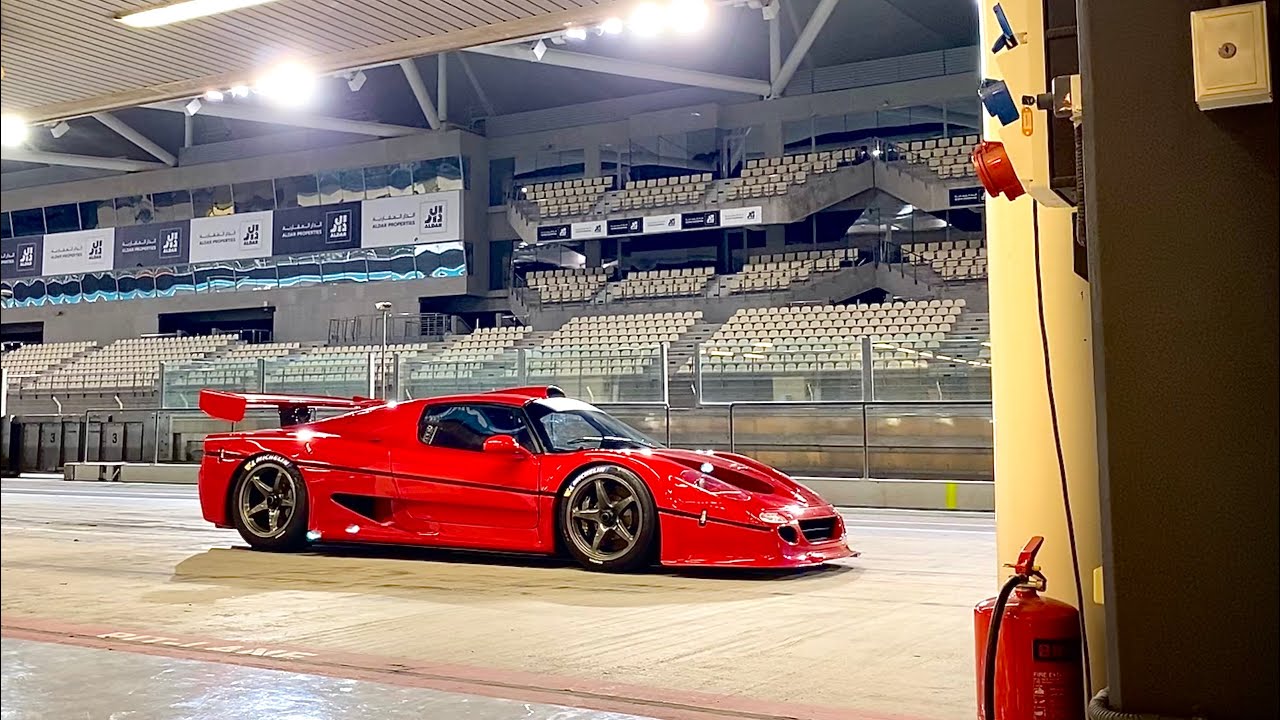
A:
[(736, 217), (21, 257), (242, 236), (588, 230), (79, 252), (315, 229), (700, 220), (661, 224), (624, 226), (552, 233), (411, 219), (960, 197), (149, 245)]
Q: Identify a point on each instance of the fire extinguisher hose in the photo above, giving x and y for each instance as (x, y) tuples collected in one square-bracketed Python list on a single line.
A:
[(1100, 709), (993, 636)]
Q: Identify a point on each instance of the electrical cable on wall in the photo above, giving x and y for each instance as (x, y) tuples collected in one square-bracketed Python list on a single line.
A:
[(1057, 443)]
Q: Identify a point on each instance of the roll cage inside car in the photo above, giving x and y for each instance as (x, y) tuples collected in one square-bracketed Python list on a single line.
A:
[(466, 423)]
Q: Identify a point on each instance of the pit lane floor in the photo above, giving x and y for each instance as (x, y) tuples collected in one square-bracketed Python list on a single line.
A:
[(462, 635)]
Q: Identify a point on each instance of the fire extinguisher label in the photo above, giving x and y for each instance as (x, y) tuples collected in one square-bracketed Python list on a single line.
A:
[(1056, 650)]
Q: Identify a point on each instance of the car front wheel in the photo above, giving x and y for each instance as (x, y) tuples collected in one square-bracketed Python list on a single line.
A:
[(608, 520)]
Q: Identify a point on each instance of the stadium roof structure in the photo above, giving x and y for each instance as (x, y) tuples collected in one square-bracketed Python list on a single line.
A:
[(123, 92)]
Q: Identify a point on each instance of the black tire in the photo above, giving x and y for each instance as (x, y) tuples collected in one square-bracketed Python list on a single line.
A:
[(618, 536), (251, 504)]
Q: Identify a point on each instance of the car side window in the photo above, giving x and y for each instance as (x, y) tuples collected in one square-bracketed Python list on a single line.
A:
[(466, 427)]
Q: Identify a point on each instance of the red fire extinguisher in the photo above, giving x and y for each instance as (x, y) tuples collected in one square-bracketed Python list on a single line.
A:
[(1028, 649)]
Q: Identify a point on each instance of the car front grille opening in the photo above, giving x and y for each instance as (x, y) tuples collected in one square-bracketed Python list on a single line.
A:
[(788, 534), (818, 529)]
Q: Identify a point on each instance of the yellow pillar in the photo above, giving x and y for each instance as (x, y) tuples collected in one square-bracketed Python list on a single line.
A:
[(1028, 493)]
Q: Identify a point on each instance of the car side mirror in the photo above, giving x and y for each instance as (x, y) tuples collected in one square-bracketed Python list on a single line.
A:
[(504, 445)]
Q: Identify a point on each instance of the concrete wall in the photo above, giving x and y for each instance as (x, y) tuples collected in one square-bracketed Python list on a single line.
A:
[(1183, 214)]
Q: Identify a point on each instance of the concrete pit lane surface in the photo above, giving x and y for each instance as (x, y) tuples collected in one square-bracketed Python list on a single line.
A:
[(90, 568)]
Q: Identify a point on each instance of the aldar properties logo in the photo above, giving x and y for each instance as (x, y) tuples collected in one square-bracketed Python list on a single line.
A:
[(250, 235), (95, 249), (433, 218), (338, 226)]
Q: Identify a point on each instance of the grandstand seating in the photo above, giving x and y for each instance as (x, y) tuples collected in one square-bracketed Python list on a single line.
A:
[(681, 282), (827, 337), (774, 175), (661, 192), (265, 351), (774, 273), (481, 345), (38, 358), (953, 259), (609, 344), (132, 364), (567, 197), (566, 285), (946, 157)]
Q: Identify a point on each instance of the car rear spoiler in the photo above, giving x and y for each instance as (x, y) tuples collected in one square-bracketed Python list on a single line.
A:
[(294, 409)]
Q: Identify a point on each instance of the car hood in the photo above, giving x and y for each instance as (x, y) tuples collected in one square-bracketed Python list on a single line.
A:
[(766, 485)]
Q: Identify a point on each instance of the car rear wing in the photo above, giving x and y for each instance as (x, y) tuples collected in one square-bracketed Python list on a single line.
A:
[(294, 409)]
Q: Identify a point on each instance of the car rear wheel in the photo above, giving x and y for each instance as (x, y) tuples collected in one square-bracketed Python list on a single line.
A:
[(608, 520), (269, 504)]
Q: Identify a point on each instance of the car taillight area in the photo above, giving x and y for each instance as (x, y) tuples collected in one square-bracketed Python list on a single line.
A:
[(816, 530)]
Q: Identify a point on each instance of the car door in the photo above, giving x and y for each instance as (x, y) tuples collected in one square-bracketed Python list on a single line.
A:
[(446, 478)]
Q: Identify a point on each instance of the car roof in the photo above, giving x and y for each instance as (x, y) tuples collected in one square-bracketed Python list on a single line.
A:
[(506, 396)]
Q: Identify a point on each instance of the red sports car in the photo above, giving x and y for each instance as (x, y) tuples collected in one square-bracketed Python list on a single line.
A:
[(521, 470)]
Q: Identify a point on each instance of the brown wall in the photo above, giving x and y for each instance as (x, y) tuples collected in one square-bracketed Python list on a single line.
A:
[(1184, 229)]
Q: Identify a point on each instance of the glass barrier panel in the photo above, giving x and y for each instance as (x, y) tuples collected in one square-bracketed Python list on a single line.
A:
[(182, 382), (601, 374), (803, 367), (321, 372), (931, 441)]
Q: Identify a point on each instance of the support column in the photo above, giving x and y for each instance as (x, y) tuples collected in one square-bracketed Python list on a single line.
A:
[(1028, 492), (591, 160), (442, 86)]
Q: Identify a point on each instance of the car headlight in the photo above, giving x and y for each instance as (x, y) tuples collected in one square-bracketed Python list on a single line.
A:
[(773, 518)]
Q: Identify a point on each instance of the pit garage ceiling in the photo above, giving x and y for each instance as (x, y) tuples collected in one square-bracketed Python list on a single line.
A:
[(65, 58)]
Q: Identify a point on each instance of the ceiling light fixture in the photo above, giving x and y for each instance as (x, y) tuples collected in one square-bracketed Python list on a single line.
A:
[(539, 50), (289, 84), (357, 81), (13, 130), (612, 26), (182, 11), (239, 91), (214, 95), (687, 16), (193, 107), (60, 129), (576, 33), (647, 19)]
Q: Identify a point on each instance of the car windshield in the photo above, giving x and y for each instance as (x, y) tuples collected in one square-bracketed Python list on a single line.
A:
[(568, 425)]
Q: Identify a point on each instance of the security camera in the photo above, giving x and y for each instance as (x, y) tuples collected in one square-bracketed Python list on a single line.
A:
[(383, 306)]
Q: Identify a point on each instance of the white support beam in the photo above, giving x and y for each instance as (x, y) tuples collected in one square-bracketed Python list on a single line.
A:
[(419, 89), (442, 86), (475, 85), (775, 49), (127, 132), (233, 111), (803, 42), (84, 161), (627, 68)]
